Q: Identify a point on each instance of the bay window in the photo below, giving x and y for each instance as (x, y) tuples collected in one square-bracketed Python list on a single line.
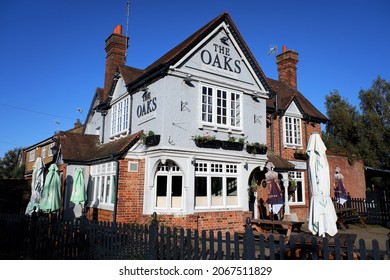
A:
[(216, 185)]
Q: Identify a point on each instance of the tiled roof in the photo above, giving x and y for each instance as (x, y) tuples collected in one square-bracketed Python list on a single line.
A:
[(286, 94), (87, 148), (135, 77), (279, 163)]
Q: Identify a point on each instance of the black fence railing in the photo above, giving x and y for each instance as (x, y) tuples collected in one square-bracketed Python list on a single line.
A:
[(374, 210), (22, 237)]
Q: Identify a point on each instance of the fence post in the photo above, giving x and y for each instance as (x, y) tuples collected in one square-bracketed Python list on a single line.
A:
[(153, 238), (33, 233), (249, 241)]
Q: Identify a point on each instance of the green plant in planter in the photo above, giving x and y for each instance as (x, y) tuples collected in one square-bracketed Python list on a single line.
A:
[(241, 140), (204, 138), (256, 148), (231, 139), (144, 135)]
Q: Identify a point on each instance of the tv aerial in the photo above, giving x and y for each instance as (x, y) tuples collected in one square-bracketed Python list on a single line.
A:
[(272, 49)]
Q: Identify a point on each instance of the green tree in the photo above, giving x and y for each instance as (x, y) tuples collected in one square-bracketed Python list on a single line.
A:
[(374, 143), (10, 167), (342, 129), (365, 132)]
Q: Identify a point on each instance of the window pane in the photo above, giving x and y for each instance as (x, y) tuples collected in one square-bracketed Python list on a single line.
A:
[(161, 197), (107, 189), (231, 191), (177, 188), (216, 191), (114, 187), (201, 191)]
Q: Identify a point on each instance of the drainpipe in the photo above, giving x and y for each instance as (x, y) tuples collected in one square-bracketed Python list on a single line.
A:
[(131, 113), (116, 192), (104, 113), (272, 123)]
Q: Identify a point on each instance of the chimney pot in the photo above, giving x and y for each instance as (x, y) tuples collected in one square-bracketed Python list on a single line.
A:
[(118, 29), (284, 48)]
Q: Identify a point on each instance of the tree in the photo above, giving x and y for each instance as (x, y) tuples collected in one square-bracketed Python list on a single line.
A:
[(363, 133), (375, 127), (342, 129), (9, 165)]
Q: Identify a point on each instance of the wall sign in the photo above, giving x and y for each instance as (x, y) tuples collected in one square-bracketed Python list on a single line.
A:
[(146, 110), (217, 58)]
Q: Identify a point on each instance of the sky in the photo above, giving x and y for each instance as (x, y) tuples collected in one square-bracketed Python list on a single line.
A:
[(52, 53)]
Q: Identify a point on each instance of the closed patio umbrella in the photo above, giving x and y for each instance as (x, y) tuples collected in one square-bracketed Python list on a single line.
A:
[(36, 186), (322, 215), (78, 196), (51, 195)]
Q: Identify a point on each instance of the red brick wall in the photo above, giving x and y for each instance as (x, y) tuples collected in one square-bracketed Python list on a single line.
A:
[(130, 193), (354, 177)]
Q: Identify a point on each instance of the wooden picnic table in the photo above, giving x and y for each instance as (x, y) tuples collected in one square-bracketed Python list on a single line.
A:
[(262, 226), (348, 215)]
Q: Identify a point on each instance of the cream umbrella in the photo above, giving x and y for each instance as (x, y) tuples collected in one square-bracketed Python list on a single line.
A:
[(322, 215), (36, 186)]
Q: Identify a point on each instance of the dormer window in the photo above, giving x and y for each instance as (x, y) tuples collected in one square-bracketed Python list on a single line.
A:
[(292, 129)]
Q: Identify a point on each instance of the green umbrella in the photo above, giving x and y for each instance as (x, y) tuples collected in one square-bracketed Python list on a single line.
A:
[(78, 190), (51, 196)]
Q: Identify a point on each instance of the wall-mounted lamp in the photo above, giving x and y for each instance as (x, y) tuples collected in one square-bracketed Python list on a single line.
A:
[(193, 161), (246, 165), (224, 40), (188, 79)]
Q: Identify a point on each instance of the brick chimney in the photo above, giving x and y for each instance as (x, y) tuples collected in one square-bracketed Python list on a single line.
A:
[(287, 66), (116, 46)]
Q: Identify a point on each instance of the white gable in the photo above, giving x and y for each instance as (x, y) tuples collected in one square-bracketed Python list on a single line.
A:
[(120, 90), (293, 110), (219, 58)]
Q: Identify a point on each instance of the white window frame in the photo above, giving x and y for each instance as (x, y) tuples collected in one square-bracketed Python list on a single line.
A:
[(213, 170), (169, 202), (221, 108), (43, 152), (120, 117), (104, 185), (299, 177), (292, 131), (31, 155), (50, 152)]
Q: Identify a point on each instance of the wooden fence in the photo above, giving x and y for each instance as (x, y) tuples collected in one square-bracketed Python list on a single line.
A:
[(22, 237), (374, 211)]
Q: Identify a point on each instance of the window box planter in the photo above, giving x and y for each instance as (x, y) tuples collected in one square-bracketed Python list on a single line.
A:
[(228, 145), (301, 155), (211, 144), (253, 149), (152, 140)]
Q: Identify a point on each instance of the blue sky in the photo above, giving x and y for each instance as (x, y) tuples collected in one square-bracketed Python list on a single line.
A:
[(52, 52)]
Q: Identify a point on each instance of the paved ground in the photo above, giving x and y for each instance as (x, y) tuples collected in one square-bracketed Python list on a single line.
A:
[(368, 234)]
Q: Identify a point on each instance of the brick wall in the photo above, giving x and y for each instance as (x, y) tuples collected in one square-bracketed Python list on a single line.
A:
[(354, 177)]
